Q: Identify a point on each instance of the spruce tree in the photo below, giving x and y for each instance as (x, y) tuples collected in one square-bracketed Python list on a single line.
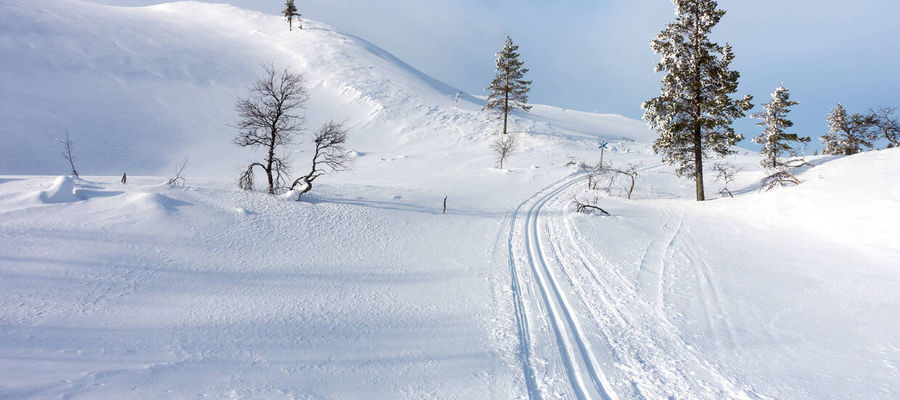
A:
[(509, 89), (290, 11), (774, 139), (849, 134), (694, 111)]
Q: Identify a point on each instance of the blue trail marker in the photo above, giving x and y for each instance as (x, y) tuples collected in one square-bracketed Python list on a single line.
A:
[(603, 146)]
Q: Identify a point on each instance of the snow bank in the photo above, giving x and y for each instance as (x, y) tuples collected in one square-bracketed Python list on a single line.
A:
[(61, 191), (143, 202), (847, 200)]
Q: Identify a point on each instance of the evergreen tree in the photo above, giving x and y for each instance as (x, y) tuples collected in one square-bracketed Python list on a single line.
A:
[(509, 90), (849, 134), (290, 11), (694, 111), (774, 139)]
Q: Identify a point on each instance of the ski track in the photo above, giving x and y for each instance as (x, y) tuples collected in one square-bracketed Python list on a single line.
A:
[(599, 320), (585, 378)]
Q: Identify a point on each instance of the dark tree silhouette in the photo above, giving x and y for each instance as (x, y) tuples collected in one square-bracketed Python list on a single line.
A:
[(67, 152), (330, 155), (270, 119)]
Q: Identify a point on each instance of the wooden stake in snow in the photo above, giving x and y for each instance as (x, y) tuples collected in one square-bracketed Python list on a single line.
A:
[(445, 204)]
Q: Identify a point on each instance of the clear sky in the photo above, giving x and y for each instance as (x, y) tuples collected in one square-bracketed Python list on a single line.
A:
[(594, 55)]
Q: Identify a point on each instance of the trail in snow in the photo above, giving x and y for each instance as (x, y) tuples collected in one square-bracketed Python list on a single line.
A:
[(585, 377), (607, 340)]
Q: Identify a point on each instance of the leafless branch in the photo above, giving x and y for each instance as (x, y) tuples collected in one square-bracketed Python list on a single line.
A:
[(178, 179), (631, 171), (725, 173), (245, 182), (596, 172), (67, 152), (797, 163), (886, 123), (330, 155), (779, 178), (589, 207), (503, 146)]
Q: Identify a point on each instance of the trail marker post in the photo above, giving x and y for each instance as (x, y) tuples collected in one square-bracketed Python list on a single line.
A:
[(603, 146)]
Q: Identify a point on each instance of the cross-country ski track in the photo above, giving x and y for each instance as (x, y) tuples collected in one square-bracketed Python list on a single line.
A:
[(588, 332)]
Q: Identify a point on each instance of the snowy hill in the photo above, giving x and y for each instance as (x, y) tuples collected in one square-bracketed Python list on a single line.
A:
[(367, 289), (140, 88)]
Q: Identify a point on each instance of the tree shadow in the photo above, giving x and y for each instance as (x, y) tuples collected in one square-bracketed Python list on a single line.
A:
[(399, 206)]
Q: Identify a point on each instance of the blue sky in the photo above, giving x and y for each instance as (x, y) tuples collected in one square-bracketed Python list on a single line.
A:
[(594, 55)]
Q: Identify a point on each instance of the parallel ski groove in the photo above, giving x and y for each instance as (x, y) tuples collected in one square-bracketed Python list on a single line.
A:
[(574, 350)]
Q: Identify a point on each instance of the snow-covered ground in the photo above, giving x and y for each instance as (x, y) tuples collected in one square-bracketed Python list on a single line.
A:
[(366, 289)]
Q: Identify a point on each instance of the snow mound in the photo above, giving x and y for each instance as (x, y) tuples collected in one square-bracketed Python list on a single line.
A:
[(144, 202), (848, 200), (61, 191)]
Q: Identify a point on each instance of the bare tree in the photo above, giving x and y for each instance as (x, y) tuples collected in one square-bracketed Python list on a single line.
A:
[(631, 172), (779, 178), (270, 119), (330, 155), (503, 146), (596, 173), (178, 179), (593, 172), (725, 173), (887, 125), (67, 152)]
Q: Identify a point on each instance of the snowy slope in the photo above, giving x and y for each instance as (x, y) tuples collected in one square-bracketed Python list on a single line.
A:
[(787, 294), (365, 289), (140, 88)]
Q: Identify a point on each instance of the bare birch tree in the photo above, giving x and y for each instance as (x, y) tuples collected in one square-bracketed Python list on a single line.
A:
[(270, 119), (330, 155), (503, 146)]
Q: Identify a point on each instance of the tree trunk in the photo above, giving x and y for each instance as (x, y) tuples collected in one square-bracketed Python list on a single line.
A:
[(269, 163), (698, 133), (291, 24), (698, 162), (505, 109)]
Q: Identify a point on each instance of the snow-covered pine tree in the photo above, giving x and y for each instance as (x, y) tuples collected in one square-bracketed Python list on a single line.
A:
[(290, 11), (509, 89), (849, 134), (774, 139), (694, 111)]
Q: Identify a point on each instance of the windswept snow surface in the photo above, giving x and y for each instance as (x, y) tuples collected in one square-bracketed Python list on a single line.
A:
[(366, 289)]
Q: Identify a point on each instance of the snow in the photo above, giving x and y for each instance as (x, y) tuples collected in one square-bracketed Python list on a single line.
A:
[(366, 289)]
